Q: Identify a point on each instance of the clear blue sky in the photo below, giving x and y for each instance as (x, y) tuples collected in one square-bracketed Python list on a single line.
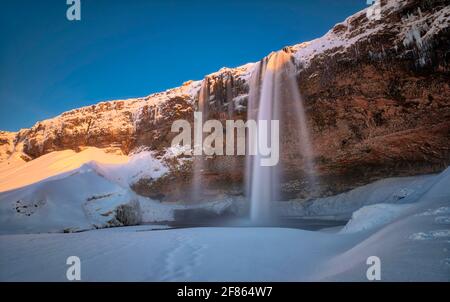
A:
[(131, 48)]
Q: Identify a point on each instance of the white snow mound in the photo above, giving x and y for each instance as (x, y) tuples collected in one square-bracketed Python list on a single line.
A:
[(373, 216)]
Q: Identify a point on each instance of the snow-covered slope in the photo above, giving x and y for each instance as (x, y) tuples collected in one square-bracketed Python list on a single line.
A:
[(14, 176), (373, 216), (68, 191), (78, 200), (414, 245)]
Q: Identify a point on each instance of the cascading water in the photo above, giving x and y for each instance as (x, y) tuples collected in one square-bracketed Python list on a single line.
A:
[(198, 160), (274, 95)]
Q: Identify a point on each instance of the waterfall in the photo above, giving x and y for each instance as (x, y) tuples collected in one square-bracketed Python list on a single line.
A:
[(274, 95), (198, 164)]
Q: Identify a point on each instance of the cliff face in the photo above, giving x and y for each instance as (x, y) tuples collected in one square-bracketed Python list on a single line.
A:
[(6, 144), (380, 105), (377, 99), (119, 126)]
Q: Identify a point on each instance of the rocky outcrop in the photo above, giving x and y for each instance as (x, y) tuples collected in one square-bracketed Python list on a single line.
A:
[(6, 144), (377, 100)]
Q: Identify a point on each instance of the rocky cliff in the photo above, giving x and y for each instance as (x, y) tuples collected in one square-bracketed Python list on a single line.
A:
[(377, 100)]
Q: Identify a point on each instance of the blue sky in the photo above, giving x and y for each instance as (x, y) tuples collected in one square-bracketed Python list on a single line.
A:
[(131, 48)]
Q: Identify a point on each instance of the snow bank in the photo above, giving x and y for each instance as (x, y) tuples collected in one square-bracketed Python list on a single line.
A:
[(140, 165), (371, 217), (340, 207), (77, 200), (66, 191), (412, 245)]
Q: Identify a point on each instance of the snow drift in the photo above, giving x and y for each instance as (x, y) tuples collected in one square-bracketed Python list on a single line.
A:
[(66, 191)]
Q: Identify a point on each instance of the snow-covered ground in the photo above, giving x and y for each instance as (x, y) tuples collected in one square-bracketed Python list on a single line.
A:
[(65, 191), (412, 241)]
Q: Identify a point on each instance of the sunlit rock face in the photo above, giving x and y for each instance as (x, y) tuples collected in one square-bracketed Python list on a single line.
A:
[(376, 97), (120, 126), (6, 144)]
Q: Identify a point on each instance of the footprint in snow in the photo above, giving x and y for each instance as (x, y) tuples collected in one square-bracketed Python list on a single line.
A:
[(180, 262)]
